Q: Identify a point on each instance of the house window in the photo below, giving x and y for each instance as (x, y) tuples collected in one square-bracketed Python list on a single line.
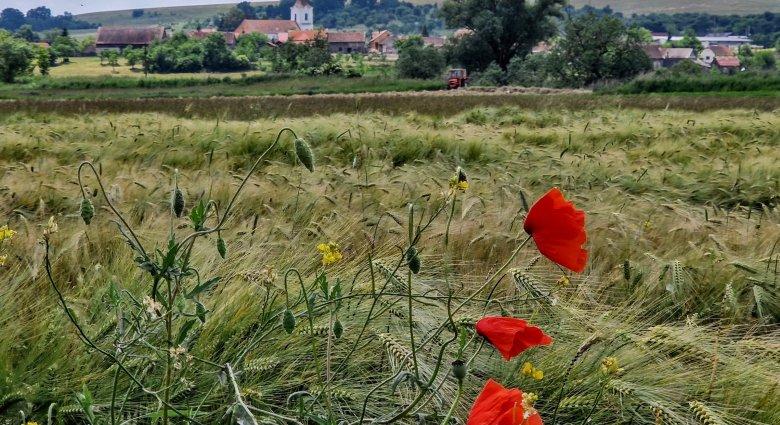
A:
[(341, 49), (349, 50), (296, 17), (305, 17)]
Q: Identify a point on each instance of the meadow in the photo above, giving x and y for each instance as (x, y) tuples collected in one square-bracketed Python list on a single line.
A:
[(680, 289)]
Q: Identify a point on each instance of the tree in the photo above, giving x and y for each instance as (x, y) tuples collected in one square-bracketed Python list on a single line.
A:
[(16, 57), (133, 56), (43, 60), (764, 60), (598, 48), (231, 20), (217, 56), (25, 32), (415, 60), (41, 13), (471, 53), (11, 19), (247, 9), (250, 45), (690, 40), (64, 47), (508, 27), (137, 13)]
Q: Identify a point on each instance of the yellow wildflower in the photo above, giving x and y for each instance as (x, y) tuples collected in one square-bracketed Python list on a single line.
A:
[(3, 259), (6, 233), (528, 368), (647, 225), (331, 253), (610, 366), (31, 423), (538, 374), (564, 280), (459, 181)]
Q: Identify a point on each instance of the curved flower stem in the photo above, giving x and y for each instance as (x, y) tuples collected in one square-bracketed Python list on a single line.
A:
[(447, 418)]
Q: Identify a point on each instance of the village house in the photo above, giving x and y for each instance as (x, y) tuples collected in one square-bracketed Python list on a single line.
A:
[(275, 29), (727, 64), (347, 42), (117, 38), (656, 53), (709, 54), (199, 34), (382, 42), (675, 55)]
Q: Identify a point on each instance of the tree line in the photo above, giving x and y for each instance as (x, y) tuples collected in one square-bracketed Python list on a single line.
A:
[(39, 19)]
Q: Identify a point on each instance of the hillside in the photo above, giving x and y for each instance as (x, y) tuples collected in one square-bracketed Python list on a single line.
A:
[(182, 14)]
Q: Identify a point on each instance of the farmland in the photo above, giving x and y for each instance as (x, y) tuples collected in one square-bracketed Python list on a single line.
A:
[(680, 195)]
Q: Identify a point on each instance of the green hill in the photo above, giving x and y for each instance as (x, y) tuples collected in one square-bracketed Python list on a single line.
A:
[(176, 16)]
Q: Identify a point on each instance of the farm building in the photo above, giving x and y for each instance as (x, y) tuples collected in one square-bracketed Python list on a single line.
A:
[(727, 64), (230, 38), (347, 42), (118, 38), (656, 53), (382, 42), (674, 55), (709, 54), (275, 29)]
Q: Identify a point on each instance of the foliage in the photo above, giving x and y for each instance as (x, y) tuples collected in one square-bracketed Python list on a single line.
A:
[(416, 60), (183, 54), (64, 47), (39, 19), (16, 57), (471, 53), (689, 40), (650, 181), (307, 58), (43, 61), (673, 82), (597, 49), (25, 32), (764, 60), (508, 27), (252, 45)]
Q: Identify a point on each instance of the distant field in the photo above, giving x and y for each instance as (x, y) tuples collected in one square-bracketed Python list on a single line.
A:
[(158, 16), (175, 16)]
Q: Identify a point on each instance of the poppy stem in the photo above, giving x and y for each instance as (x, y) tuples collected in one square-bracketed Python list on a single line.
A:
[(447, 418)]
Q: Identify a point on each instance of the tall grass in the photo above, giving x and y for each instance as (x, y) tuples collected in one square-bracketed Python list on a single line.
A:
[(682, 229)]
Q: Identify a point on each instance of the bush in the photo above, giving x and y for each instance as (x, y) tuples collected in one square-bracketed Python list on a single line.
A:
[(16, 57), (418, 61)]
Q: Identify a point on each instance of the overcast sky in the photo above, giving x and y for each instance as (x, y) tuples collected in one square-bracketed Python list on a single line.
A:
[(84, 6)]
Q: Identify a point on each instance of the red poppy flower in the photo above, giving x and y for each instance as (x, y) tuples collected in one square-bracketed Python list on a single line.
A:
[(558, 230), (511, 336), (497, 405)]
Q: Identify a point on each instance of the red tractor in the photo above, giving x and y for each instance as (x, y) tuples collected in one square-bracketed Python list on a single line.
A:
[(457, 78)]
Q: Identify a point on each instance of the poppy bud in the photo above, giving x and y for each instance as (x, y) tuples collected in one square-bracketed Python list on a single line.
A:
[(304, 153), (413, 259), (87, 210), (459, 370), (178, 202), (221, 247), (338, 330), (288, 321)]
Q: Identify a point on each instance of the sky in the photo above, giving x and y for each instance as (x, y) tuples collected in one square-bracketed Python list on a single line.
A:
[(84, 6)]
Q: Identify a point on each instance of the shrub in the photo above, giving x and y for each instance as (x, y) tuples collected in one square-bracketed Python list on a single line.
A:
[(418, 61), (16, 57)]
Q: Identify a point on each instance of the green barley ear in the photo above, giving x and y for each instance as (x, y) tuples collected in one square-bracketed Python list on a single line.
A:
[(288, 321), (413, 259), (304, 153), (87, 210), (178, 202)]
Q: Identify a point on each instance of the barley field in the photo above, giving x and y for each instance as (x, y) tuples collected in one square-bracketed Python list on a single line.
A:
[(301, 301)]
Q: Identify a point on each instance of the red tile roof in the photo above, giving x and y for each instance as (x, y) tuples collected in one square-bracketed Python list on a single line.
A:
[(304, 36), (721, 50), (126, 36), (727, 62), (346, 37), (266, 26), (230, 38)]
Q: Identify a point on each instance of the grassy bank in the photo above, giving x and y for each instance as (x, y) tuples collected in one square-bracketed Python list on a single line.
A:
[(680, 286), (761, 83)]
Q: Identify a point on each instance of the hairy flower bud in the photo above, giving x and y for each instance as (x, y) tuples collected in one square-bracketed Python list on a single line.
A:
[(304, 153), (413, 259), (87, 210), (221, 247), (338, 329), (459, 370), (178, 202), (288, 321)]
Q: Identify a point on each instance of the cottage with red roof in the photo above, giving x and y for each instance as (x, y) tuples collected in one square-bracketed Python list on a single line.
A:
[(727, 64), (347, 42), (275, 29)]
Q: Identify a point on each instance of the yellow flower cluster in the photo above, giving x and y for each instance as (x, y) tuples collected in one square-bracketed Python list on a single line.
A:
[(528, 404), (459, 181), (6, 233), (530, 370), (563, 281), (610, 366), (331, 253)]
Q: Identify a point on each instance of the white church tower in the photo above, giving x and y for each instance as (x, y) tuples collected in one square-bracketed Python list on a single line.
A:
[(302, 13)]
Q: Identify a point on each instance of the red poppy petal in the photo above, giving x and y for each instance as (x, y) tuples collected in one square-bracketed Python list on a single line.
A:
[(558, 229), (530, 337), (511, 336)]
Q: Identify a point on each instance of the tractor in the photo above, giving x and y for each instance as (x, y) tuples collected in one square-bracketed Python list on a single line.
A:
[(457, 78)]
